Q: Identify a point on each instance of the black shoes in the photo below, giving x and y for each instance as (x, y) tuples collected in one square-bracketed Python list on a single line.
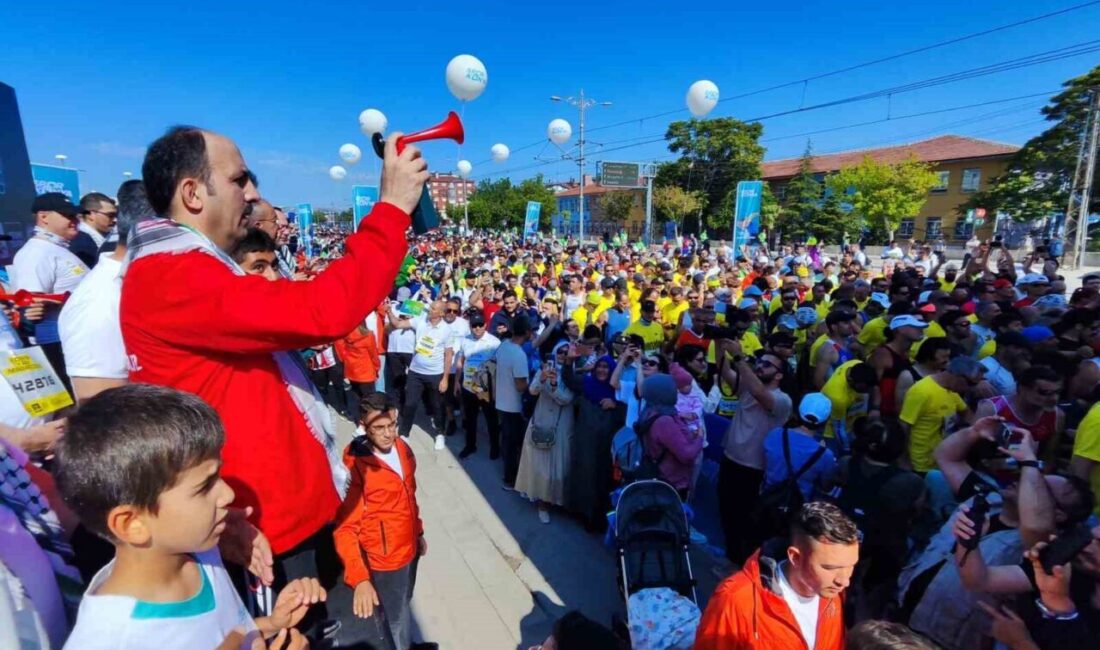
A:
[(467, 452)]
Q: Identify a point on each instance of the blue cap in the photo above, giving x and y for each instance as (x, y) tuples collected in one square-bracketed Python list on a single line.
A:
[(815, 409), (1037, 333), (746, 303), (752, 291), (788, 321), (881, 298), (805, 316)]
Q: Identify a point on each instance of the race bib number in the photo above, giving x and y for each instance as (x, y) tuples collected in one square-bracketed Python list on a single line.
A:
[(425, 345), (34, 381)]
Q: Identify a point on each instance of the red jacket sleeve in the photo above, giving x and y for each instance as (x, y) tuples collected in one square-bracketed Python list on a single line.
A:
[(346, 534), (194, 302)]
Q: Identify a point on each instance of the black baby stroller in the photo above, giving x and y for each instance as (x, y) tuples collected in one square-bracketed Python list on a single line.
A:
[(652, 539)]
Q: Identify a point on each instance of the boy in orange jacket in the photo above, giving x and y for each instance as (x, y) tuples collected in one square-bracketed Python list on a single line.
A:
[(788, 595), (379, 535)]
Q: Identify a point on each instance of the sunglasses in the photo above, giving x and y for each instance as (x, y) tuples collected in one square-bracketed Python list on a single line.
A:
[(476, 325), (762, 363), (649, 362), (453, 311)]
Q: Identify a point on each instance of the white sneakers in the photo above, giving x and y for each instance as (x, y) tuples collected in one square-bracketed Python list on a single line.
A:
[(544, 516), (440, 442)]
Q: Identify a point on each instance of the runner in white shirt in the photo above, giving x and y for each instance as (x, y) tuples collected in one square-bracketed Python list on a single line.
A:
[(429, 372), (95, 357), (472, 352), (45, 265)]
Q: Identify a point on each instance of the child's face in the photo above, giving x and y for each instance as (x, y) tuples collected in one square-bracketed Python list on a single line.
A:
[(191, 515), (381, 428), (262, 264)]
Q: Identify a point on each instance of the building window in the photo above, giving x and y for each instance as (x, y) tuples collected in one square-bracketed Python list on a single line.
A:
[(934, 229), (905, 228), (944, 179), (972, 180), (963, 230)]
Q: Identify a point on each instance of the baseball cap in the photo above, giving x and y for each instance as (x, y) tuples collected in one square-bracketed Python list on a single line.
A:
[(607, 283), (781, 339), (1012, 339), (752, 291), (1001, 283), (1037, 333), (747, 303), (928, 309), (54, 202), (1033, 278), (639, 278), (881, 298), (476, 319), (835, 317), (594, 297), (788, 321), (815, 408), (898, 322), (1050, 302), (805, 316), (923, 297)]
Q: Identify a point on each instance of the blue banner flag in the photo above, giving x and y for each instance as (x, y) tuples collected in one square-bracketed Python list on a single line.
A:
[(746, 216), (305, 227), (363, 198), (531, 223), (50, 178)]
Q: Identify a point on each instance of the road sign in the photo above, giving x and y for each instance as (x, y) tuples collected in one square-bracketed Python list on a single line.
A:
[(619, 174)]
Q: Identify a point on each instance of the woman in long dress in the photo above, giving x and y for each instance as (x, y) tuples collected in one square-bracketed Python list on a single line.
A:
[(544, 472), (599, 416)]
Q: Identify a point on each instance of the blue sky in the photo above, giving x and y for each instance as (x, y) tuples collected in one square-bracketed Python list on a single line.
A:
[(287, 80)]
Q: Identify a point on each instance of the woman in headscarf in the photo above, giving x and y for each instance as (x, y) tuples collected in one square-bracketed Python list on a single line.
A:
[(599, 416), (544, 461), (669, 442)]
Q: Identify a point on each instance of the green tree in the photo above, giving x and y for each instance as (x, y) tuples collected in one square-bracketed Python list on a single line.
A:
[(534, 189), (616, 205), (672, 203), (884, 194), (714, 155), (1039, 175), (802, 199), (500, 204)]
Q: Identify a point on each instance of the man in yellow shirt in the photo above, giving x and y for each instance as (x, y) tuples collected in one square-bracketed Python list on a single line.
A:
[(930, 405), (670, 314), (851, 390), (1086, 451), (648, 328)]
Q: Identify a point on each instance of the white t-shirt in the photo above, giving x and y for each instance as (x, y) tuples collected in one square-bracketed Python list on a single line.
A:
[(401, 341), (804, 609), (459, 329), (90, 333), (44, 266), (431, 342), (392, 458), (125, 623), (511, 365), (474, 353)]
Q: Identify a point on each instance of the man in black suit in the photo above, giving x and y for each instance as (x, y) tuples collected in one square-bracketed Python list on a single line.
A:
[(98, 213)]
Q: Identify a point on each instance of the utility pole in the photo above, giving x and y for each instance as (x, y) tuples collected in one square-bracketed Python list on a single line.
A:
[(1080, 194), (582, 105), (650, 171)]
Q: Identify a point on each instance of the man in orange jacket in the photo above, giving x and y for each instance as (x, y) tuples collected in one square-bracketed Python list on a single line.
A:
[(379, 535), (788, 595)]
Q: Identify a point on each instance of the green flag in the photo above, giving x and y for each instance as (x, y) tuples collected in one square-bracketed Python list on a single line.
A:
[(603, 247), (703, 237)]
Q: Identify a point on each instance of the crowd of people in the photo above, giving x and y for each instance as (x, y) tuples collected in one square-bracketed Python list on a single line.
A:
[(907, 448)]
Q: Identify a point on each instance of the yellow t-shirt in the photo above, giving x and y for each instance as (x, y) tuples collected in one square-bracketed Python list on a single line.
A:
[(671, 314), (653, 334), (934, 331), (580, 314), (947, 286), (873, 333), (987, 349), (926, 410), (1086, 444), (861, 304), (847, 403), (662, 302), (750, 343), (822, 309), (816, 345)]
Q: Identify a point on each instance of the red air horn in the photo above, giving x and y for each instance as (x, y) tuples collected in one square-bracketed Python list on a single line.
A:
[(424, 217), (448, 129)]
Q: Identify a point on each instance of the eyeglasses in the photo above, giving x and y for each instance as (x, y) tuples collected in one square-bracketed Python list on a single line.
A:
[(453, 311)]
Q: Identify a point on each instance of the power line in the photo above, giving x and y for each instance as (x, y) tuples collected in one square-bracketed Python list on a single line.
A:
[(872, 62)]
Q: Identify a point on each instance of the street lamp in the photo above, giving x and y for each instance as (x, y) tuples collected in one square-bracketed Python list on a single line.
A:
[(582, 104), (61, 158), (127, 174)]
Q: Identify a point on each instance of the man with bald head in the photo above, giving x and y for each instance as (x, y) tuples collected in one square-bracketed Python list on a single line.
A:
[(429, 371), (191, 319)]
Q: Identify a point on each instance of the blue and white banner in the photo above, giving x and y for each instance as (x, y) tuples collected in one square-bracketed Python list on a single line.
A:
[(746, 215), (50, 178), (305, 227), (531, 222), (363, 198)]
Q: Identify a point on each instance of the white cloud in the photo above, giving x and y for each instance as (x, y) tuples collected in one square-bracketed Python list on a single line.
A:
[(111, 148)]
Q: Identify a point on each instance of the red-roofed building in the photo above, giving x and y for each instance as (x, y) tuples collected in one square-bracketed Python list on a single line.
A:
[(448, 194), (965, 165)]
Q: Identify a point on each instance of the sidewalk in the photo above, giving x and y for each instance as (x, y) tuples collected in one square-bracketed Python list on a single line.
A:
[(494, 577)]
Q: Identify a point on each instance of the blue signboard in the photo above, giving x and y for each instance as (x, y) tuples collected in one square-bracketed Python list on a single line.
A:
[(50, 178), (305, 227), (531, 222), (746, 216), (363, 199)]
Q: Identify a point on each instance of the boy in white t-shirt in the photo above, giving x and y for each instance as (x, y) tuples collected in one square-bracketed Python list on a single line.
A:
[(140, 466)]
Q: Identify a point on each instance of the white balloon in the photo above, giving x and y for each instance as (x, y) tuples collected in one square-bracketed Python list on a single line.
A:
[(350, 153), (464, 168), (372, 121), (559, 131), (337, 173), (500, 152), (702, 97), (466, 77)]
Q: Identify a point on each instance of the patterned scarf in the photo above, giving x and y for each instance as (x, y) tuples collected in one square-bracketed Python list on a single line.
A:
[(19, 493), (42, 233), (164, 236)]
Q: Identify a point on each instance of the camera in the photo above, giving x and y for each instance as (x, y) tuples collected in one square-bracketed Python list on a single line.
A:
[(719, 332)]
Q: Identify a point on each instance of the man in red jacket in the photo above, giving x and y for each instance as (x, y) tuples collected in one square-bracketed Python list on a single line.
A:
[(191, 319), (788, 595)]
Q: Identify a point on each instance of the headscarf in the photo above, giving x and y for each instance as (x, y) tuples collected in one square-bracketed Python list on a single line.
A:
[(659, 393), (596, 391)]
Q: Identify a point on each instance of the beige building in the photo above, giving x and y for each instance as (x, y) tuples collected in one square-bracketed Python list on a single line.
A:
[(597, 223), (964, 165), (448, 193)]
